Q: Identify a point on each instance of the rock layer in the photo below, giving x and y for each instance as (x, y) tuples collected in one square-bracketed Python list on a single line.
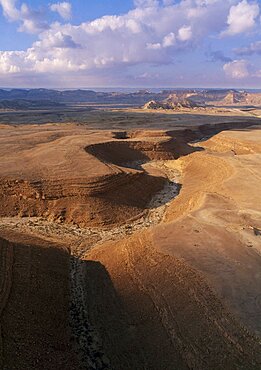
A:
[(181, 292)]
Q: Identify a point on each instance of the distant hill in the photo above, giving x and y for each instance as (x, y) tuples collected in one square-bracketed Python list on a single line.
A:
[(204, 98), (177, 100), (182, 100), (21, 104), (227, 98), (185, 103), (81, 96), (168, 99)]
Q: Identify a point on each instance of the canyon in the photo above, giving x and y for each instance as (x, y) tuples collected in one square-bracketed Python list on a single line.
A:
[(132, 245)]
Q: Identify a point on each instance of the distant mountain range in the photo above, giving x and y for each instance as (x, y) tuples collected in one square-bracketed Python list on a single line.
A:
[(81, 96), (23, 104), (45, 98), (206, 98)]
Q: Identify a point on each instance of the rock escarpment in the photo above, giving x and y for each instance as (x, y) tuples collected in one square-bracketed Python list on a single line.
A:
[(68, 180)]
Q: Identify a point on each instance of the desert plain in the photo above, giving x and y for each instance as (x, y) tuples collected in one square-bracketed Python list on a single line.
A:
[(131, 240)]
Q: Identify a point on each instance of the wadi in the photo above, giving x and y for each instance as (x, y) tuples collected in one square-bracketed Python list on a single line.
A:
[(130, 235)]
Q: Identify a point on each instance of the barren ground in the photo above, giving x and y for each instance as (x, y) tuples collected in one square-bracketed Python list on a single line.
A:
[(134, 246)]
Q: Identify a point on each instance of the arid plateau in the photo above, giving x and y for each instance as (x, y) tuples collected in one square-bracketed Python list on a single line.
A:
[(131, 240)]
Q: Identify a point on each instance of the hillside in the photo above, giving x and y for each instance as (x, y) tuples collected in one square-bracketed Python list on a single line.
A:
[(143, 239), (174, 101), (22, 104)]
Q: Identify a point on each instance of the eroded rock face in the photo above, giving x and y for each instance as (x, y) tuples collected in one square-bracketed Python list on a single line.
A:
[(193, 281), (65, 179), (180, 101), (153, 105), (176, 288), (71, 175), (174, 101), (92, 203), (188, 100), (239, 98)]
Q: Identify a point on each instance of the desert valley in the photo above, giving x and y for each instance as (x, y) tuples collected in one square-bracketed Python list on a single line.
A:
[(130, 185), (130, 230)]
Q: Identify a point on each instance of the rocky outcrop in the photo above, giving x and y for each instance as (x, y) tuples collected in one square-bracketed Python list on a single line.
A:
[(178, 287), (173, 102), (67, 191)]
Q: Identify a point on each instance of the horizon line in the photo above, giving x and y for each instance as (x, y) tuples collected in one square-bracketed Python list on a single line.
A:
[(131, 87)]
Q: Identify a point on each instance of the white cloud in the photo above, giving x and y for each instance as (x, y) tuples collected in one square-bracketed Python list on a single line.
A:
[(185, 33), (9, 61), (143, 35), (156, 46), (237, 69), (242, 18), (64, 9), (169, 40), (242, 69), (154, 33), (10, 10), (31, 21), (57, 40)]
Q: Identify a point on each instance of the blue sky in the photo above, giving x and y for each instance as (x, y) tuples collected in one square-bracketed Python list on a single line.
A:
[(82, 11), (141, 43)]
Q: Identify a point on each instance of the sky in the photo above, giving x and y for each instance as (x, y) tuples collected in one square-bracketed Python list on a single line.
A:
[(130, 43)]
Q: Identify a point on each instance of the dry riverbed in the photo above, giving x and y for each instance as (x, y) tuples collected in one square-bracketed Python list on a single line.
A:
[(81, 240)]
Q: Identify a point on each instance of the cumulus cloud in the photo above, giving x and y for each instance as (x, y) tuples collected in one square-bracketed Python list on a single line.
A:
[(31, 21), (185, 33), (242, 18), (169, 40), (153, 33), (64, 9), (237, 69), (9, 61), (241, 69), (150, 33), (56, 40), (9, 9)]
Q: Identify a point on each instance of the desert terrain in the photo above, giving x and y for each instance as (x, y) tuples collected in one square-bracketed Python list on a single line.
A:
[(130, 238)]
